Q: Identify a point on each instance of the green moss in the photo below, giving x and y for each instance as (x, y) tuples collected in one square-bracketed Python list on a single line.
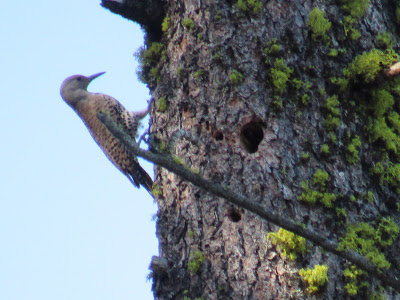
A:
[(341, 212), (296, 83), (365, 239), (305, 99), (314, 278), (328, 199), (165, 24), (307, 85), (161, 146), (272, 49), (387, 232), (199, 73), (368, 65), (392, 175), (355, 34), (378, 295), (190, 234), (325, 149), (283, 171), (348, 23), (235, 77), (394, 120), (318, 194), (156, 191), (280, 74), (378, 129), (154, 74), (357, 283), (320, 178), (353, 276), (195, 170), (388, 172), (148, 59), (332, 137), (152, 55), (253, 6), (242, 5), (332, 104), (217, 56), (162, 104), (353, 156), (378, 169), (305, 156), (318, 24), (177, 160), (195, 262), (188, 23), (277, 104), (289, 243), (356, 8), (309, 196), (382, 102), (333, 53), (342, 83), (384, 40), (369, 197), (219, 15)]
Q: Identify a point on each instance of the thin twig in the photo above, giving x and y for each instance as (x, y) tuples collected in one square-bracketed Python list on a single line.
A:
[(141, 138), (318, 239)]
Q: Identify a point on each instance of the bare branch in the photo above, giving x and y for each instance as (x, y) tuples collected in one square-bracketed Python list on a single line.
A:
[(387, 278)]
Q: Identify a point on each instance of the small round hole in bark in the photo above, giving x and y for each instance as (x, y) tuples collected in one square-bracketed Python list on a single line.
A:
[(251, 136), (219, 136), (234, 215)]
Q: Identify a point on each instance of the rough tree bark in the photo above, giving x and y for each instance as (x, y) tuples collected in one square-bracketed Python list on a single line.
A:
[(278, 99)]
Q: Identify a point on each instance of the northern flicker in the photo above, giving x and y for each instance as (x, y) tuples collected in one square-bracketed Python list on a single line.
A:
[(87, 105)]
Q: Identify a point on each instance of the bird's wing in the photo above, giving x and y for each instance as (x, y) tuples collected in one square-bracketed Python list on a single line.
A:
[(122, 117), (131, 123)]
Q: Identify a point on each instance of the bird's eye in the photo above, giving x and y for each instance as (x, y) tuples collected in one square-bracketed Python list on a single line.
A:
[(79, 78)]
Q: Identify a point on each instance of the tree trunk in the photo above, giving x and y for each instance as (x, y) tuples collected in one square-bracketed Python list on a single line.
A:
[(289, 112)]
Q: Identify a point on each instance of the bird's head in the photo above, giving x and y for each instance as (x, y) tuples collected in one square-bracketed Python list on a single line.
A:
[(74, 88)]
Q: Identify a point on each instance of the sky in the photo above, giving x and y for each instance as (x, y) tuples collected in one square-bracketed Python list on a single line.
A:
[(71, 225)]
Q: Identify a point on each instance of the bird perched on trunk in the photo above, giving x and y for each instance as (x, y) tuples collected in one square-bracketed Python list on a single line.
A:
[(87, 105)]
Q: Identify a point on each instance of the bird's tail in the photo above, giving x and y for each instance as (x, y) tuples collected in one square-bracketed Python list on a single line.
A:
[(146, 181), (139, 177)]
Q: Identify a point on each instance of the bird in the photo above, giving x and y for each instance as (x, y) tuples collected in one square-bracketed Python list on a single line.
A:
[(87, 105)]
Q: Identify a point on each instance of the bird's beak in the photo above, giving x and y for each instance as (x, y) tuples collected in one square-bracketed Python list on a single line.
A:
[(94, 76)]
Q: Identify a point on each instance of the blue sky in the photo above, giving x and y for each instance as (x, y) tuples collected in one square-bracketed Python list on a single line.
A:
[(71, 225)]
